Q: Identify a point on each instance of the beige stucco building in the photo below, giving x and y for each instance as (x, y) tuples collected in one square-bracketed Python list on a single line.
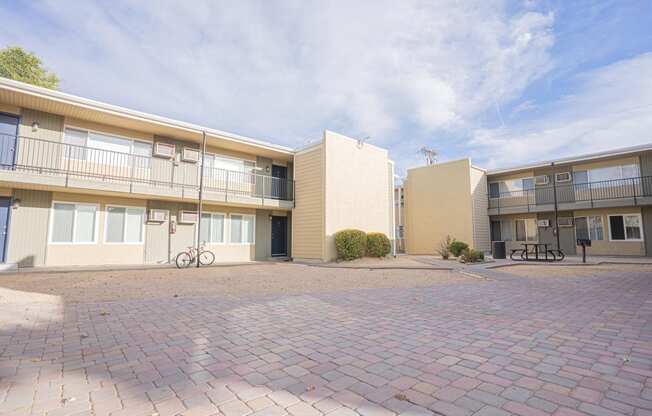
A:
[(602, 197), (88, 183)]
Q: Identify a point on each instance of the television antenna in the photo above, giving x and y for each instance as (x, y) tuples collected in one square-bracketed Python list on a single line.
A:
[(429, 154), (362, 141)]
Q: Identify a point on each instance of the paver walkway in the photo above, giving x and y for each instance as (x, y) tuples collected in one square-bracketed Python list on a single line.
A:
[(485, 347)]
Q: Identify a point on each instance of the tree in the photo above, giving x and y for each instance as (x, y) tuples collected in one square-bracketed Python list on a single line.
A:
[(20, 65)]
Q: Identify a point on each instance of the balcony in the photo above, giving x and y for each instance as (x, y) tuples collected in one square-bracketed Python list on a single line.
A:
[(612, 193), (48, 164)]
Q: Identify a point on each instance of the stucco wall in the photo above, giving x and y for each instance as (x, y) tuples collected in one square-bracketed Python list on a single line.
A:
[(357, 188), (308, 214), (438, 203)]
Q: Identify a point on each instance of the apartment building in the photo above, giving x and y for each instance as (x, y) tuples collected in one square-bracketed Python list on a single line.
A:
[(88, 183), (605, 197)]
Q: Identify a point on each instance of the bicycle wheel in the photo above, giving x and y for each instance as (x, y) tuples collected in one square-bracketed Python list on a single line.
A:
[(206, 258), (183, 260), (561, 256)]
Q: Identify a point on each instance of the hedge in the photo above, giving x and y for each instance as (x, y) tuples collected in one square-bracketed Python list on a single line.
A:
[(378, 245), (350, 244)]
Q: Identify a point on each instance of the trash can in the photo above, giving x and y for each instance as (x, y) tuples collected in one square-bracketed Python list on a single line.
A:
[(498, 250)]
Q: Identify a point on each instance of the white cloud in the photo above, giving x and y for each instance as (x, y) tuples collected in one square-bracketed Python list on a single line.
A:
[(609, 108), (284, 71)]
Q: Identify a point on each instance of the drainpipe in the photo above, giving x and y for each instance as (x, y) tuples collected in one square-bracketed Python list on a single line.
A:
[(554, 193), (394, 211), (201, 188)]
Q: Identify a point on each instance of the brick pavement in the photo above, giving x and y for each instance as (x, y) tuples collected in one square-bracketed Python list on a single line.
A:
[(505, 346)]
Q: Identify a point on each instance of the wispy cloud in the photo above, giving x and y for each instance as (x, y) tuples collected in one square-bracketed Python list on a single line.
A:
[(610, 107), (286, 70)]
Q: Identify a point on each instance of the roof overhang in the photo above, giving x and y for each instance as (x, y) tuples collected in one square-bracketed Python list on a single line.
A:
[(24, 95)]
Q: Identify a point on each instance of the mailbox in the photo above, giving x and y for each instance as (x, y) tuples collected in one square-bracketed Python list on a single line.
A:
[(584, 242)]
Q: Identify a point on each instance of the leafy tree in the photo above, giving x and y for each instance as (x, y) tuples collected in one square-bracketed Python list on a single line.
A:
[(20, 65)]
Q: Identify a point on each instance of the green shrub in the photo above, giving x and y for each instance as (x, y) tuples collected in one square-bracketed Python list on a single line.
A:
[(457, 247), (350, 244), (471, 256), (378, 245)]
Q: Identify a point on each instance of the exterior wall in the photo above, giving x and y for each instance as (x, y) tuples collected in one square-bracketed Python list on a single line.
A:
[(100, 252), (50, 125), (308, 214), (613, 248), (480, 202), (438, 203), (28, 228), (357, 189), (566, 234), (512, 244)]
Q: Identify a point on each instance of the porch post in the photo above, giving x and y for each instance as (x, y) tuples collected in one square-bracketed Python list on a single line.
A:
[(201, 188)]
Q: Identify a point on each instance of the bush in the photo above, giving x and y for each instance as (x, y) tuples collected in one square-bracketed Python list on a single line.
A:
[(350, 244), (378, 245), (457, 247), (471, 256), (443, 249)]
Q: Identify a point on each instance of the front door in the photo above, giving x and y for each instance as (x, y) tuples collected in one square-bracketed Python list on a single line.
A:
[(279, 183), (8, 132), (5, 203), (279, 236)]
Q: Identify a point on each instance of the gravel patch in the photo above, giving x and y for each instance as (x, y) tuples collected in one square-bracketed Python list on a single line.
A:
[(250, 280)]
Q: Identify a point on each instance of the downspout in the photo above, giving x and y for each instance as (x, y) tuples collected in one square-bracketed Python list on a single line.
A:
[(201, 188), (554, 193)]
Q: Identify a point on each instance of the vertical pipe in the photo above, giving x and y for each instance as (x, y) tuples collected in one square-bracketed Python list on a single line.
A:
[(554, 194), (201, 186)]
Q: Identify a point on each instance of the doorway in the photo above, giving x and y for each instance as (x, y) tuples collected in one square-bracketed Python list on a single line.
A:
[(279, 236), (8, 137), (279, 183)]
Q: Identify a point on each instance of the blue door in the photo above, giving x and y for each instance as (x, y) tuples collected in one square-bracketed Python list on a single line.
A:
[(279, 236), (279, 182), (8, 133), (5, 203)]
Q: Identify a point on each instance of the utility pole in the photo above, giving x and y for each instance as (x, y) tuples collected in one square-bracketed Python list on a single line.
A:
[(201, 188), (554, 193)]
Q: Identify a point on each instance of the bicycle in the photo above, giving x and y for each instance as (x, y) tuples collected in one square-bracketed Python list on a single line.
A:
[(189, 256)]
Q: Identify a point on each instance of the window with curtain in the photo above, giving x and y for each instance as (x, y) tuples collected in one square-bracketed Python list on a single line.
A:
[(625, 227), (242, 229), (212, 228), (73, 223), (526, 229), (589, 228), (124, 225)]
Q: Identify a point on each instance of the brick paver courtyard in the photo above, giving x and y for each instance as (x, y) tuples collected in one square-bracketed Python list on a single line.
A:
[(507, 345)]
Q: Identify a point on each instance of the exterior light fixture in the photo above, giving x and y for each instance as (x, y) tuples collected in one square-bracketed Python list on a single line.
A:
[(35, 126), (15, 203)]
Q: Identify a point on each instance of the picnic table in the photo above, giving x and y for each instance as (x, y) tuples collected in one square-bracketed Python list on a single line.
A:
[(540, 251)]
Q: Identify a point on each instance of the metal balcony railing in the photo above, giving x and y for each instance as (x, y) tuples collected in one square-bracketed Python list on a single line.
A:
[(632, 188), (52, 158)]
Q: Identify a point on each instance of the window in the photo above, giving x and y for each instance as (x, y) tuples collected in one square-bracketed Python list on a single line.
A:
[(517, 186), (506, 230), (242, 229), (85, 146), (494, 190), (625, 227), (541, 180), (228, 163), (589, 228), (611, 173), (526, 229), (124, 225), (73, 223), (212, 228), (580, 176)]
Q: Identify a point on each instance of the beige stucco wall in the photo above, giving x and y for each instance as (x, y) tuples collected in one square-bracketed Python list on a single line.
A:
[(480, 205), (438, 203), (612, 248), (308, 214), (357, 188)]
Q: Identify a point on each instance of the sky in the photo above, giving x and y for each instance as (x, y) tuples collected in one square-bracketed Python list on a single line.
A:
[(501, 82)]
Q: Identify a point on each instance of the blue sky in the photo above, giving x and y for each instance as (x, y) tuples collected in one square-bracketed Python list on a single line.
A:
[(502, 82)]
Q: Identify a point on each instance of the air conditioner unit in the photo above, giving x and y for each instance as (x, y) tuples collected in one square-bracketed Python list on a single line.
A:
[(164, 150), (541, 180), (157, 215), (562, 177), (188, 217), (543, 223), (565, 221), (190, 155)]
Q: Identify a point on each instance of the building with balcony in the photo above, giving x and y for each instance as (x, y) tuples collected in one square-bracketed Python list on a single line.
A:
[(88, 183), (605, 197)]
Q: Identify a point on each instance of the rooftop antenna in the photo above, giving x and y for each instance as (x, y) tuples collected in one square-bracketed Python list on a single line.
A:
[(362, 141), (430, 155)]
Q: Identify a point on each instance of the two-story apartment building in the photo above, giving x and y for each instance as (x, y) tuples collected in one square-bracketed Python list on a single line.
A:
[(605, 197), (88, 183)]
